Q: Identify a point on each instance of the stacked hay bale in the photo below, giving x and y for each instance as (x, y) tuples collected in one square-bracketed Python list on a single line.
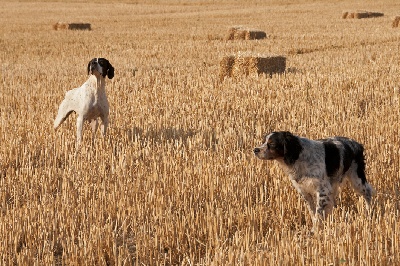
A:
[(361, 14), (248, 64), (72, 26), (242, 33), (396, 21)]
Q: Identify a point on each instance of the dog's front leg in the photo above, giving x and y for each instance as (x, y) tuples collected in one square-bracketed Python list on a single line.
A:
[(324, 204), (310, 201), (308, 197), (79, 127)]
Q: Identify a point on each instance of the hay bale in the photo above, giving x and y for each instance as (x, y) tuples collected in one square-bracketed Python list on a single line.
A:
[(361, 14), (242, 33), (247, 64), (375, 14), (80, 26), (71, 26), (226, 66), (396, 21), (60, 26)]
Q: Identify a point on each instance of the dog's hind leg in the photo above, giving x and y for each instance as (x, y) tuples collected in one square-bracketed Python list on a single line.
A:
[(104, 125), (63, 112), (356, 175), (94, 124), (310, 201), (361, 186), (325, 202)]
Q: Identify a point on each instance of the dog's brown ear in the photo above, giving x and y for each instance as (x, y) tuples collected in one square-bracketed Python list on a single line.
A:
[(110, 71), (292, 148)]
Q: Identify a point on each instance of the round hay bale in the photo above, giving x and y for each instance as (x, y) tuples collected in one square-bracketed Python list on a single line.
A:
[(344, 14)]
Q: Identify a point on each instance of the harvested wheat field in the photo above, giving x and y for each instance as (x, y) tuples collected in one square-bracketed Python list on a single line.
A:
[(175, 181)]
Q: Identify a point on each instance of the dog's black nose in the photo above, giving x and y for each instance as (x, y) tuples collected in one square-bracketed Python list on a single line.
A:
[(256, 150)]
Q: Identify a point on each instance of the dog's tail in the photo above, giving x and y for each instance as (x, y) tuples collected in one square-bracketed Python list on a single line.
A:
[(63, 113)]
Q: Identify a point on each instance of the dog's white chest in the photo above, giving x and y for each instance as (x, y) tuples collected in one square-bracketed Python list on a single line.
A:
[(306, 184), (93, 99)]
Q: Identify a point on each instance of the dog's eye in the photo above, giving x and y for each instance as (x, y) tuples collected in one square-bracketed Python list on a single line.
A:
[(271, 145)]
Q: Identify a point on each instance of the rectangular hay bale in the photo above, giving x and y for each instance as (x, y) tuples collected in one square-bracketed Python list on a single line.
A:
[(72, 26), (60, 26), (241, 33), (396, 21), (361, 14), (225, 66), (80, 26), (239, 65)]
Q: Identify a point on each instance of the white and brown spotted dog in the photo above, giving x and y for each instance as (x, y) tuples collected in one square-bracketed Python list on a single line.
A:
[(317, 168), (89, 101)]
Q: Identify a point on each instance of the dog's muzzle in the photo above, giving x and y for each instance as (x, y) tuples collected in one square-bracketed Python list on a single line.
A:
[(96, 66)]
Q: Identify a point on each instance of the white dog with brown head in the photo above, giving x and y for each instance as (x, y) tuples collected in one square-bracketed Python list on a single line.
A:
[(89, 101)]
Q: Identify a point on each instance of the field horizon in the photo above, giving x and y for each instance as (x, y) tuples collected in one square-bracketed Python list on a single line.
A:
[(175, 181)]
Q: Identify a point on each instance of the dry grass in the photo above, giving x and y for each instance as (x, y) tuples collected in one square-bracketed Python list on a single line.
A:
[(175, 181)]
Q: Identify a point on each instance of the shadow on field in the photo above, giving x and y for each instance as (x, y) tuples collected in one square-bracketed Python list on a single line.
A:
[(155, 134), (208, 138)]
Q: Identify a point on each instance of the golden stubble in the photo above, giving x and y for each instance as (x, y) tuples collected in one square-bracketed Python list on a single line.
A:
[(175, 180)]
